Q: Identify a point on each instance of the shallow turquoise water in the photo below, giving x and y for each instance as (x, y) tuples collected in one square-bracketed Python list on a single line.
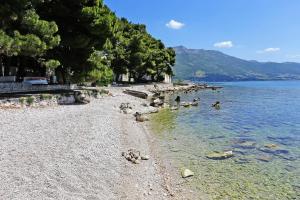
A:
[(255, 113)]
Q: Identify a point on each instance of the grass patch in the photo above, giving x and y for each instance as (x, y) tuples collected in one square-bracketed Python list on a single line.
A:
[(30, 100), (46, 97), (22, 100)]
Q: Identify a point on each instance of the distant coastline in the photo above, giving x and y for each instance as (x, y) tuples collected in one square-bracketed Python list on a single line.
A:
[(215, 66)]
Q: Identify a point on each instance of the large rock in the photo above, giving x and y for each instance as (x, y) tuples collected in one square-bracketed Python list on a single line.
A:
[(66, 100), (81, 98), (220, 155)]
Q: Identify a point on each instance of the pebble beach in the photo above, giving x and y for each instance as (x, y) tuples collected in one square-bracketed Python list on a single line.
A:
[(74, 152)]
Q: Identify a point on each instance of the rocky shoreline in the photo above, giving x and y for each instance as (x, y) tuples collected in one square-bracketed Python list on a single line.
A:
[(75, 151)]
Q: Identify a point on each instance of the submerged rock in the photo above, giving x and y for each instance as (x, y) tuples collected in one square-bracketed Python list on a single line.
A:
[(245, 145), (195, 103), (274, 151), (217, 137), (271, 146), (187, 173), (220, 155), (242, 161), (174, 108), (264, 158), (185, 104)]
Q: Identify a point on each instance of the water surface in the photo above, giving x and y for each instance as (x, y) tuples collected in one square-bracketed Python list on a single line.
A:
[(253, 117)]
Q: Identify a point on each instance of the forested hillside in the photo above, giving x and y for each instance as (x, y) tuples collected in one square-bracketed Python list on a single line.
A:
[(208, 65), (78, 40)]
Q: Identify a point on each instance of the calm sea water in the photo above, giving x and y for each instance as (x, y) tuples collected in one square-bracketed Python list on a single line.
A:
[(258, 121)]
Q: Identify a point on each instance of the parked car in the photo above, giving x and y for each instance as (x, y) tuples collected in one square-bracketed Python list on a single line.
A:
[(35, 81)]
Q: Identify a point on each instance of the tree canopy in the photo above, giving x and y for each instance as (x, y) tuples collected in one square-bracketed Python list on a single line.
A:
[(82, 40)]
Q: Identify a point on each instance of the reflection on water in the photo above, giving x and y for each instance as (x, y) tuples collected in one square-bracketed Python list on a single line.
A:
[(258, 121)]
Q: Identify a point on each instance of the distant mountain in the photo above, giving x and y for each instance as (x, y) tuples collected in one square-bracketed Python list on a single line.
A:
[(209, 65)]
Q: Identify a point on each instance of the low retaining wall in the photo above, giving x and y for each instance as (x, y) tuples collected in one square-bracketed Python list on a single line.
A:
[(43, 100), (10, 88)]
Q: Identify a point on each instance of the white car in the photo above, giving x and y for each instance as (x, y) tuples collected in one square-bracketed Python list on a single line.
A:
[(35, 81)]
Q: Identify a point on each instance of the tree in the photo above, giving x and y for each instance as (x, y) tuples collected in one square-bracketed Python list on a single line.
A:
[(23, 34), (84, 27), (80, 39)]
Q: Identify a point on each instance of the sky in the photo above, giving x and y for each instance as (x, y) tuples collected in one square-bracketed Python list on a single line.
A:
[(263, 30)]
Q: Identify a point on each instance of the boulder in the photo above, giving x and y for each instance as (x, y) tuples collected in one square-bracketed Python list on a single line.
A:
[(187, 173), (81, 98)]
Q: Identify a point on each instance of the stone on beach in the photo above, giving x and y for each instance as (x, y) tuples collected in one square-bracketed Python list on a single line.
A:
[(134, 156), (146, 157), (140, 118), (187, 173)]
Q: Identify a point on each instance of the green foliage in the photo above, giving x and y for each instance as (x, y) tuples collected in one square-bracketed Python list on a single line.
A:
[(100, 70), (30, 100), (22, 100), (46, 97), (51, 64), (83, 39)]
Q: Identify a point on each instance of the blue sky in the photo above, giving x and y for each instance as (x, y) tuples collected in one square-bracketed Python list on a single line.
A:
[(264, 30)]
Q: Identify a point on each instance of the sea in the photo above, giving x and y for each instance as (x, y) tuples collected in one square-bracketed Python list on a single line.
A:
[(259, 121)]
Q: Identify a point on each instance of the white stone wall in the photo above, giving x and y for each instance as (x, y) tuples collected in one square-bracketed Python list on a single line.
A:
[(20, 87)]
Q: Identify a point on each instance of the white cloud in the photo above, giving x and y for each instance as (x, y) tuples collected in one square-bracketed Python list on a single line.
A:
[(173, 24), (269, 50), (225, 44), (293, 56)]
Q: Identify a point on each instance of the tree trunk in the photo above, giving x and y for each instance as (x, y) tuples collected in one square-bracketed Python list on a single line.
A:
[(1, 66)]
